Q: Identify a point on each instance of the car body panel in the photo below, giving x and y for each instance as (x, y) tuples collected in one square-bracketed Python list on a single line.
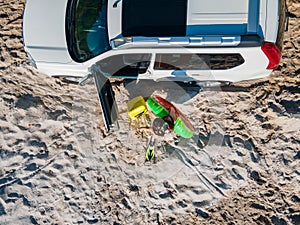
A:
[(44, 30), (114, 19), (253, 67), (217, 12), (272, 12)]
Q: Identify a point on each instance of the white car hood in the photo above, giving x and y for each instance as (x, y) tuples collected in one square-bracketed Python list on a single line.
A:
[(44, 30)]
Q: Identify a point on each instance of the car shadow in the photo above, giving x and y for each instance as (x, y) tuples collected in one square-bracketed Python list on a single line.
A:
[(178, 92)]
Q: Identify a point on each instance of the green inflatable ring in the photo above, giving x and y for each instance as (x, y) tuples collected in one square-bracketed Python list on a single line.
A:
[(157, 109), (181, 129)]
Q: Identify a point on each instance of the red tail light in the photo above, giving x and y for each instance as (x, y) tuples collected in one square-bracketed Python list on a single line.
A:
[(273, 54)]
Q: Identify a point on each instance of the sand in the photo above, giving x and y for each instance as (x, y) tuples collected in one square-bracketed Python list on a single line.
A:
[(58, 165)]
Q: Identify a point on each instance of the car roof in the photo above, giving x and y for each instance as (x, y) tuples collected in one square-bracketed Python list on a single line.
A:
[(163, 18)]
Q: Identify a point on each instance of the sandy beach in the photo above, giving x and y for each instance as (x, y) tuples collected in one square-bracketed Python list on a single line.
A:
[(58, 165)]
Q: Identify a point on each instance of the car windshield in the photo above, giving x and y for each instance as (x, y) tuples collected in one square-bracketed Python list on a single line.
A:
[(87, 34)]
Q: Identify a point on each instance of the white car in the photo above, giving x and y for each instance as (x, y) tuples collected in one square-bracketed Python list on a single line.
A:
[(183, 40), (177, 40)]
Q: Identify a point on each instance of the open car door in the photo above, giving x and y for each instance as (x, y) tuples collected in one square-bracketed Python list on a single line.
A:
[(107, 99)]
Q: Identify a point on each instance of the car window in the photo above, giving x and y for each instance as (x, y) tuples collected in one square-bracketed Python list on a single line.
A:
[(87, 34), (130, 65), (155, 18), (197, 61)]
